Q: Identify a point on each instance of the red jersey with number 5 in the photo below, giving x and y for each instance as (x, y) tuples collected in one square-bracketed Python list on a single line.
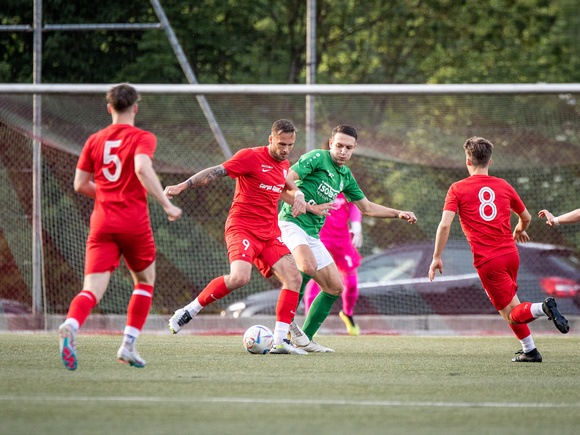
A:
[(260, 181), (121, 202), (484, 205)]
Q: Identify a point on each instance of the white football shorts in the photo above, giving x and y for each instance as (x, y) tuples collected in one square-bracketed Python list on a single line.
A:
[(293, 236)]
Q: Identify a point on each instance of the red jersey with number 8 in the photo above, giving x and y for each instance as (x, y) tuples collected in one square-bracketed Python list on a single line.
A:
[(121, 201), (484, 205), (259, 184)]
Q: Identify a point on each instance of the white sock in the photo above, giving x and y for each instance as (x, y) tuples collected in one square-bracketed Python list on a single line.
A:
[(72, 322), (280, 332), (537, 310), (193, 308), (528, 343), (130, 335)]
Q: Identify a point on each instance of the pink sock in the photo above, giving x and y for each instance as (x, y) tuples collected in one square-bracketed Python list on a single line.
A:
[(350, 294), (310, 294)]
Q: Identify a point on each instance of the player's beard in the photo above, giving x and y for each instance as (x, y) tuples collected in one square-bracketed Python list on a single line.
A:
[(278, 156)]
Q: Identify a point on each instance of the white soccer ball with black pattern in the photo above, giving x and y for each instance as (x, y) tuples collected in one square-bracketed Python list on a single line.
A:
[(258, 339)]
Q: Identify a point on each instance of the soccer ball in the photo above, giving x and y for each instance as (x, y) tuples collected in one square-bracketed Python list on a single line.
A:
[(258, 339)]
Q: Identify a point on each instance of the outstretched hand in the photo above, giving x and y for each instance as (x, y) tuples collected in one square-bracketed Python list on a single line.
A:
[(549, 217), (409, 216), (435, 265), (176, 189), (322, 209)]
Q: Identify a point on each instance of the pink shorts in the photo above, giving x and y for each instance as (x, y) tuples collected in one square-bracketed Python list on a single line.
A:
[(499, 278), (103, 252), (345, 256), (242, 245)]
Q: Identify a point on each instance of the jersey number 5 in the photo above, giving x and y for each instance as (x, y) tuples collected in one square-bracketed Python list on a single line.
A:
[(109, 157), (487, 208)]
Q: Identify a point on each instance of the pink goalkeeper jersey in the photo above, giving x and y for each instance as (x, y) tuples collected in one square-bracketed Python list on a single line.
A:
[(335, 230)]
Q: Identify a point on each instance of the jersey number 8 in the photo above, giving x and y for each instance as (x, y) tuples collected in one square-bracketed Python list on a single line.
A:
[(487, 203)]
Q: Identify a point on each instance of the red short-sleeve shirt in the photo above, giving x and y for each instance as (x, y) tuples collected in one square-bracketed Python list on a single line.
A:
[(121, 200), (484, 204), (260, 180)]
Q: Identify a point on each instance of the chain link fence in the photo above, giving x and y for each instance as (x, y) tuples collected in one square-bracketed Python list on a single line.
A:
[(409, 153)]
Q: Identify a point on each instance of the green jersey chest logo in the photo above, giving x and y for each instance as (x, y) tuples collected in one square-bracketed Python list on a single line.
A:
[(328, 192)]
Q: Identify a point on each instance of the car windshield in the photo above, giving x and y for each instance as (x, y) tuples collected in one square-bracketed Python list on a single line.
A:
[(564, 259), (387, 267), (457, 261)]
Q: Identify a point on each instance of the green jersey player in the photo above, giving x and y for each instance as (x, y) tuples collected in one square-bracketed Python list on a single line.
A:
[(321, 175)]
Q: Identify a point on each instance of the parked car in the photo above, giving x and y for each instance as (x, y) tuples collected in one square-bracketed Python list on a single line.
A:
[(11, 306), (395, 282)]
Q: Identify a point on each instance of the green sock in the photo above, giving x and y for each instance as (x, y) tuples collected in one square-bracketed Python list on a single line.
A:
[(319, 311), (305, 280)]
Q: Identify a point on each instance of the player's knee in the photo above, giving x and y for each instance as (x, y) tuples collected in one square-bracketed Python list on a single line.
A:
[(335, 290), (238, 280), (293, 280), (308, 269)]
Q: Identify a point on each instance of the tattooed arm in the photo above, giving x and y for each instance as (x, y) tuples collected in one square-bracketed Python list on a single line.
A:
[(200, 179)]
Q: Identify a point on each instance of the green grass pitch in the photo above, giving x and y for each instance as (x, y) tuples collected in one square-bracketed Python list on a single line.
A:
[(211, 385)]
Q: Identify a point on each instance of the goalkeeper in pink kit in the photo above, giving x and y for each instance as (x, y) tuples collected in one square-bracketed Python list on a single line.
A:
[(342, 241)]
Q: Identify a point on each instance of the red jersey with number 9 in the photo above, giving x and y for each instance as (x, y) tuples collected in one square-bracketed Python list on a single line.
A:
[(260, 181), (121, 201), (484, 205)]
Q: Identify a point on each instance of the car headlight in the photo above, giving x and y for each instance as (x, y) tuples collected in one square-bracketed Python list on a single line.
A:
[(237, 306)]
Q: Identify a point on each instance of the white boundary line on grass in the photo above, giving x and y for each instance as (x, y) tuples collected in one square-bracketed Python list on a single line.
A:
[(386, 403)]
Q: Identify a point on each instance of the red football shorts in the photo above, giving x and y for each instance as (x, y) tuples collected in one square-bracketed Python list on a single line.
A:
[(104, 251), (242, 245), (499, 278)]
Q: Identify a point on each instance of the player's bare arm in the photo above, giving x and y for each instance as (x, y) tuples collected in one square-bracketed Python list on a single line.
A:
[(200, 179), (571, 217), (299, 203), (440, 242), (148, 178), (376, 210), (84, 183), (520, 234)]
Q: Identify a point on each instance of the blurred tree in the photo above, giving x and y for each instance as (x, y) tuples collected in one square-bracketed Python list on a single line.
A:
[(235, 41)]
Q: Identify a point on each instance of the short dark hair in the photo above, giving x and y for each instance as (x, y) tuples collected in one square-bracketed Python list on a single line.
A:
[(283, 126), (346, 129), (122, 96), (479, 150)]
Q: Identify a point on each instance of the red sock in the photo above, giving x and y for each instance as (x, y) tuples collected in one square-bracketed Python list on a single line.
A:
[(286, 307), (81, 306), (215, 290), (521, 331), (139, 305), (522, 313)]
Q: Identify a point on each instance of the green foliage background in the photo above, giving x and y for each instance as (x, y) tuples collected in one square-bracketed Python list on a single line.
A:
[(236, 41)]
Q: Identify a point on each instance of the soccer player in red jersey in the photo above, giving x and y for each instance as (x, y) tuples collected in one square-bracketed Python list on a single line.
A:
[(252, 233), (119, 159), (484, 204)]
